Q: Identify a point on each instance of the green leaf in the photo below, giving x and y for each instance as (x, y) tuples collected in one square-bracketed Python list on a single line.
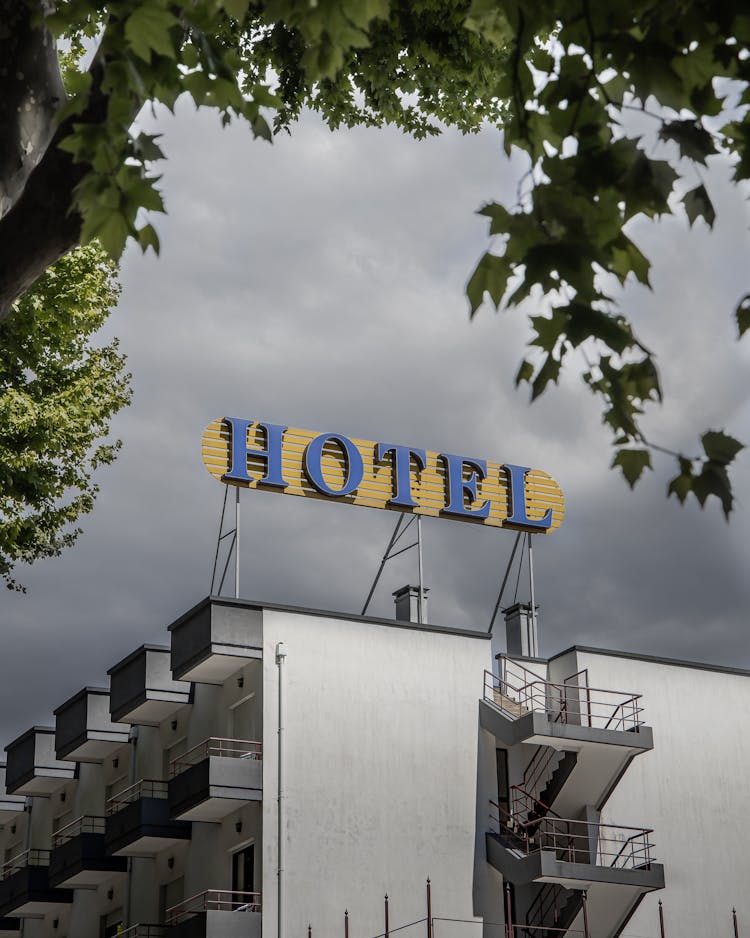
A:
[(633, 462), (148, 238), (113, 232), (491, 276), (742, 313), (148, 28), (720, 447), (697, 202), (694, 141), (524, 373), (236, 8), (550, 371)]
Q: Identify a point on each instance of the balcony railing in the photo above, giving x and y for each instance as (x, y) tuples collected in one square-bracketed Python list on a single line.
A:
[(82, 825), (216, 900), (24, 860), (215, 746), (612, 845), (517, 691), (145, 788), (143, 931)]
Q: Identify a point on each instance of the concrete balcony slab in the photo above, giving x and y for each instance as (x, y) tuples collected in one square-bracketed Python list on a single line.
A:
[(214, 640), (84, 731), (32, 766), (142, 689)]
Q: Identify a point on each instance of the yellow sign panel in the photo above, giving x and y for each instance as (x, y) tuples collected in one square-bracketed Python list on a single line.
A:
[(381, 475)]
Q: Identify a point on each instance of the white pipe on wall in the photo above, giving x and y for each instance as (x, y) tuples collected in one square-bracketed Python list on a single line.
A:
[(281, 795)]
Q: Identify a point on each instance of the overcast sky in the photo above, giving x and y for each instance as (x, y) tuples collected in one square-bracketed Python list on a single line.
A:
[(319, 282)]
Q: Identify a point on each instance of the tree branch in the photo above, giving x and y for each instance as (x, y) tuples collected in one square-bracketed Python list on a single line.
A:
[(41, 225)]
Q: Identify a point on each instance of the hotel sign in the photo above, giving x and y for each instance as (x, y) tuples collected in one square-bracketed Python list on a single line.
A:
[(387, 475)]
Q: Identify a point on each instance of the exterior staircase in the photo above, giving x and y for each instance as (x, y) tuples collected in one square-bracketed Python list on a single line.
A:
[(553, 911)]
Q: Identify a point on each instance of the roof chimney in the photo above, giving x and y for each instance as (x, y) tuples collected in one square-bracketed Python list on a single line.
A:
[(521, 630), (407, 604)]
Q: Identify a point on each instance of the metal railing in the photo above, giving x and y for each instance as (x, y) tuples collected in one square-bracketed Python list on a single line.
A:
[(23, 860), (145, 788), (214, 900), (517, 691), (216, 746), (82, 825), (615, 846), (143, 931)]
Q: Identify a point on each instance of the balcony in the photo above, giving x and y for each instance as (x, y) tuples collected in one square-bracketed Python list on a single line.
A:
[(10, 805), (142, 689), (25, 890), (214, 640), (215, 778), (138, 821), (613, 863), (32, 767), (78, 857), (601, 730), (216, 914), (84, 731)]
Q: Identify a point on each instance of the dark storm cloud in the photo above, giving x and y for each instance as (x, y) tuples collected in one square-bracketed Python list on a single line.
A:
[(319, 282)]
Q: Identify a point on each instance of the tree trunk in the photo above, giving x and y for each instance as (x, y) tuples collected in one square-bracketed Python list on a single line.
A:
[(37, 221)]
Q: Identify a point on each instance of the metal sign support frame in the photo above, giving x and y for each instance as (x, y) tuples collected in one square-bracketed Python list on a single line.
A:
[(234, 546), (395, 538)]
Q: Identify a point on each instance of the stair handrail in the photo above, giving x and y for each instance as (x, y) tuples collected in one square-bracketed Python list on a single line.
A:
[(558, 834), (607, 712)]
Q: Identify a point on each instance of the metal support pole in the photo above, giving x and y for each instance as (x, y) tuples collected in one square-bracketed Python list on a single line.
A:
[(534, 650), (387, 925), (505, 580), (429, 908), (309, 931), (346, 923), (585, 917), (237, 544), (420, 606), (736, 927), (383, 562), (661, 920), (508, 913)]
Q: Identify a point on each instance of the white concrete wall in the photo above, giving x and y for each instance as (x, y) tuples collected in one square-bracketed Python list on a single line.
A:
[(381, 772), (692, 788)]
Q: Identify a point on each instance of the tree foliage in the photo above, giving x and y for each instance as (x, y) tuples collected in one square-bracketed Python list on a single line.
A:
[(562, 79), (58, 392)]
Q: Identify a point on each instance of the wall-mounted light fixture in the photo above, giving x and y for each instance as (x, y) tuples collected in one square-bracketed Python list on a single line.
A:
[(238, 827), (241, 681)]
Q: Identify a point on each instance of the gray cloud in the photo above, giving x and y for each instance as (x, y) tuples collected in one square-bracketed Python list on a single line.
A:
[(319, 282)]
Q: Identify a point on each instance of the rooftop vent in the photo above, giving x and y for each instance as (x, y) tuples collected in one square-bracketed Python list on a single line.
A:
[(407, 604), (521, 630)]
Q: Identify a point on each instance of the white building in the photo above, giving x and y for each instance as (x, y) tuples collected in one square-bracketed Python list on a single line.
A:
[(157, 807)]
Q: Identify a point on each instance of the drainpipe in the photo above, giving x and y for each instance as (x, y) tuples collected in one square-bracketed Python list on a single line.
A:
[(28, 805), (281, 795), (133, 740)]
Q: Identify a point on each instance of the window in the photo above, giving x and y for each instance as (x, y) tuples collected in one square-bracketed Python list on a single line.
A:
[(242, 718), (170, 895), (243, 869), (503, 786), (177, 749), (112, 924)]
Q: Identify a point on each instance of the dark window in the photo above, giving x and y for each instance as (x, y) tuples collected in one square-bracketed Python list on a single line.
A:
[(503, 786), (243, 870), (112, 924)]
